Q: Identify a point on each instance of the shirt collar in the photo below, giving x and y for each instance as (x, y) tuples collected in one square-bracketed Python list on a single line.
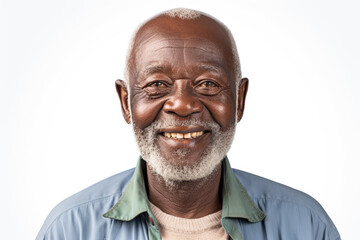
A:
[(236, 203), (134, 200)]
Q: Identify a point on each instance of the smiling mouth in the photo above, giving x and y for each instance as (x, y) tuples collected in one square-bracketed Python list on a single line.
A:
[(188, 135)]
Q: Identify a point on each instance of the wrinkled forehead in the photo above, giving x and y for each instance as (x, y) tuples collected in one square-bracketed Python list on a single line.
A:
[(158, 43), (200, 30)]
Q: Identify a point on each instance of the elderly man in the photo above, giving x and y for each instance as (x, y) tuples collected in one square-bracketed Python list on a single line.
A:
[(184, 96)]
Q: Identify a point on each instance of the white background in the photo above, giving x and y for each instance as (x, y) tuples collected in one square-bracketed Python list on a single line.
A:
[(61, 127)]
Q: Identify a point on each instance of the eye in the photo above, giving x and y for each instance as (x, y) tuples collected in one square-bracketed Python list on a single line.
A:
[(156, 84), (157, 88), (208, 84), (208, 87)]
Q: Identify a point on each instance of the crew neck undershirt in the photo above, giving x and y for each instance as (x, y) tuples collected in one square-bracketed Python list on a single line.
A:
[(174, 228)]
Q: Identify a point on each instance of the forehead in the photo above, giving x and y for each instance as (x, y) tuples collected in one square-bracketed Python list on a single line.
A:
[(158, 41), (202, 27), (164, 38), (179, 51)]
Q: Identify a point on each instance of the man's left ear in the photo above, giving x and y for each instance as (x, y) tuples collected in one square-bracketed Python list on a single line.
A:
[(243, 87)]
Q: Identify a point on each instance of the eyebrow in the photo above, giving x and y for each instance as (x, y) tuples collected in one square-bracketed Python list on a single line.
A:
[(210, 68), (155, 68)]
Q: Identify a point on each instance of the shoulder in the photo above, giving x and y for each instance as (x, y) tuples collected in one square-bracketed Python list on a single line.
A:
[(261, 188), (98, 198), (285, 204)]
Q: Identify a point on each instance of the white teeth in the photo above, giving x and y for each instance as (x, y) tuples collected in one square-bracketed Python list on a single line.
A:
[(183, 135)]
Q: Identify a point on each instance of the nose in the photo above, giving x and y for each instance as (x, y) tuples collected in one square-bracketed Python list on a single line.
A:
[(183, 102)]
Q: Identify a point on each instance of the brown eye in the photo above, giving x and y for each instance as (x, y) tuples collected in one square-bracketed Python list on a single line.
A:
[(157, 89), (208, 87), (157, 84), (208, 84)]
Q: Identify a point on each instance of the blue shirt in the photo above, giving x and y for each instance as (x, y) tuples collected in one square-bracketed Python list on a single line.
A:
[(253, 208)]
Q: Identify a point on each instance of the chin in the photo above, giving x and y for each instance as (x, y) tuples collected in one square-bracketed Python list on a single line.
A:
[(177, 167)]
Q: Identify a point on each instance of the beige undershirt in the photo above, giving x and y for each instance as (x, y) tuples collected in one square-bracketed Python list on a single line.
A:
[(173, 228)]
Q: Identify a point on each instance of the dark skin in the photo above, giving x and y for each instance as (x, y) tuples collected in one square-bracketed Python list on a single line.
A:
[(183, 70)]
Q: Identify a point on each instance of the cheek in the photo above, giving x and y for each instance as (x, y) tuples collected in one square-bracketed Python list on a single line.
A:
[(223, 110), (144, 112)]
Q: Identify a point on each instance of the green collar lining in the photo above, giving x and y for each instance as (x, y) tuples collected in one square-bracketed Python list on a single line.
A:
[(134, 200), (236, 202)]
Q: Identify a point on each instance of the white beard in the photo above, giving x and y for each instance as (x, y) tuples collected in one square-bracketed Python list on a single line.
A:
[(169, 170)]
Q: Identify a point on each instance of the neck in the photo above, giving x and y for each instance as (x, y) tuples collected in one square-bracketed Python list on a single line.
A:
[(186, 199)]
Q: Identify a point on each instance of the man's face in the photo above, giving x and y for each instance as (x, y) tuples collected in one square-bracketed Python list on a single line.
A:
[(183, 96)]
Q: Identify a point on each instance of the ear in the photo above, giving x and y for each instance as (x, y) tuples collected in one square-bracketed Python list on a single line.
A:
[(122, 91), (243, 87)]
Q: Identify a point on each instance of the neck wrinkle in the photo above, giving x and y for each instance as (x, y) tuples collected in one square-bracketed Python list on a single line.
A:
[(187, 199)]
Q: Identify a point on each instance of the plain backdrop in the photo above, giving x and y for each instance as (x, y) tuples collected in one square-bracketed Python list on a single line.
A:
[(61, 127)]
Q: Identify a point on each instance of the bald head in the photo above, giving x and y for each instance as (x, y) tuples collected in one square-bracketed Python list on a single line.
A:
[(184, 23)]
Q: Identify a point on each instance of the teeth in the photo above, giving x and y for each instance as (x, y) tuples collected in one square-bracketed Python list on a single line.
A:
[(183, 135), (187, 135)]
